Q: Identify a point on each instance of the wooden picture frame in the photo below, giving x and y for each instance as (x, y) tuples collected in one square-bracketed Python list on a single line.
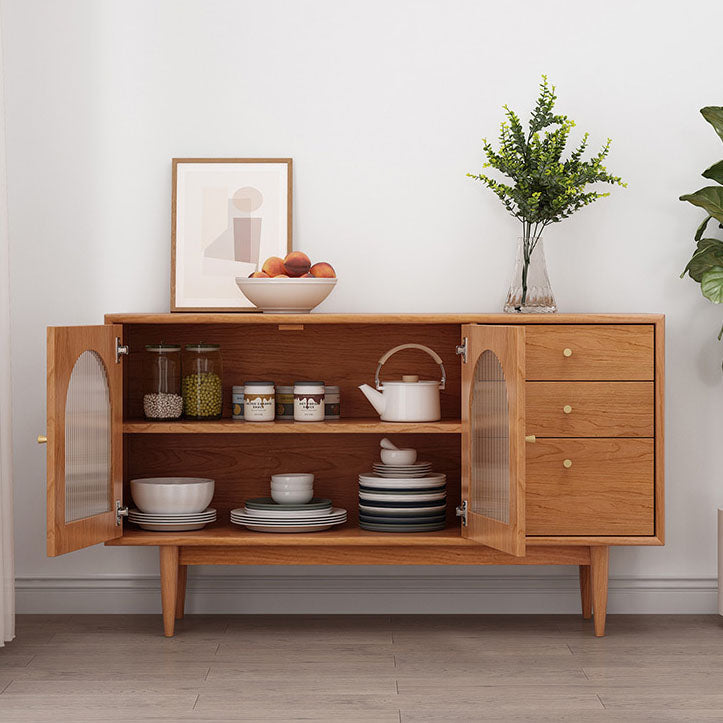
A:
[(240, 247)]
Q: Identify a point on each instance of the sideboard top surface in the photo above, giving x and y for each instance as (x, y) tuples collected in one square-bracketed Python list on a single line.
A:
[(303, 319)]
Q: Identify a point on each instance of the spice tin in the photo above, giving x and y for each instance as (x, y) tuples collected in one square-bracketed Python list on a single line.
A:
[(332, 402), (237, 402), (259, 403), (284, 402), (309, 401)]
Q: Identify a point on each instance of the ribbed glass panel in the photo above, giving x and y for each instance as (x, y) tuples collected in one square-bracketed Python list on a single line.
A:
[(87, 439), (489, 419)]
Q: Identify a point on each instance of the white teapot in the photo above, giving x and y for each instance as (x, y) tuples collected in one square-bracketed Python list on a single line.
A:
[(407, 400)]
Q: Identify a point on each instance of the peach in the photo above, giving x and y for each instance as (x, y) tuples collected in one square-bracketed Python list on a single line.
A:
[(297, 264), (258, 275), (273, 266), (281, 276), (307, 276), (322, 270)]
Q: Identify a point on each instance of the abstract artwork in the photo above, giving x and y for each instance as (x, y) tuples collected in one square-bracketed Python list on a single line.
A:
[(228, 215)]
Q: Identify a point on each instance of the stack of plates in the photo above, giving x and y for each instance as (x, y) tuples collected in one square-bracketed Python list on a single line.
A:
[(402, 470), (402, 504), (172, 521), (264, 515)]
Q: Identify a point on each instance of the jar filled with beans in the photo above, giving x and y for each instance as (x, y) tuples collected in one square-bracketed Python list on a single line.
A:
[(202, 381), (162, 382)]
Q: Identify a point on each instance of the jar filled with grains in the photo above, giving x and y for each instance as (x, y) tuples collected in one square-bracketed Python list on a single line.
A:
[(162, 398), (202, 381)]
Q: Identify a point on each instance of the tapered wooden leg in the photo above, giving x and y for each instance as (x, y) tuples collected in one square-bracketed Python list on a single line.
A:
[(169, 587), (181, 592), (586, 591), (599, 557)]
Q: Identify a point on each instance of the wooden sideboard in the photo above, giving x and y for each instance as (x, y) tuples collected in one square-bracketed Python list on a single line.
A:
[(581, 430)]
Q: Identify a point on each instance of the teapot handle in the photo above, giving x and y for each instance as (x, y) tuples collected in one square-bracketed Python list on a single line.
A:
[(431, 352)]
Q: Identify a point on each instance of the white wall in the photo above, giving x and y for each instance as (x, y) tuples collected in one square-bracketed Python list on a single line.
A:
[(382, 105)]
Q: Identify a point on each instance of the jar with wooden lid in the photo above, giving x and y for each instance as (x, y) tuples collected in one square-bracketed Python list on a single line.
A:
[(202, 385), (162, 398)]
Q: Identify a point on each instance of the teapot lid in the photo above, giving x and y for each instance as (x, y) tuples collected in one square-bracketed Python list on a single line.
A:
[(408, 380)]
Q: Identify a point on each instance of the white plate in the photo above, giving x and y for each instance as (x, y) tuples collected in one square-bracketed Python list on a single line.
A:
[(147, 517), (255, 527), (402, 511), (160, 527), (421, 497), (402, 484), (286, 523), (281, 513), (406, 467)]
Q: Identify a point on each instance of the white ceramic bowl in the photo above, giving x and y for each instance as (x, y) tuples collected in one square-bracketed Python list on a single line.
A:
[(399, 456), (172, 494), (300, 479), (286, 296), (291, 497)]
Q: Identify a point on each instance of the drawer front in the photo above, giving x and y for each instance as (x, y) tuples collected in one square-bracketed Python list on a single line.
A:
[(590, 487), (589, 352), (590, 409)]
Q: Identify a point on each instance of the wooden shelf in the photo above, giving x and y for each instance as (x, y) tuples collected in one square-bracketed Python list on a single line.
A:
[(341, 426)]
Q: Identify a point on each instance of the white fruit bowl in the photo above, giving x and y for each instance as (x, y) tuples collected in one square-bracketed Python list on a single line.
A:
[(172, 495), (286, 296)]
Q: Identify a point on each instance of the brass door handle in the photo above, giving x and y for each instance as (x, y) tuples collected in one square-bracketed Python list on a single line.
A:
[(567, 463), (567, 352), (531, 438), (567, 409), (42, 439)]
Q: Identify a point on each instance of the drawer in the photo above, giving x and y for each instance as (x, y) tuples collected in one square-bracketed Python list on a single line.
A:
[(589, 352), (590, 409), (607, 490)]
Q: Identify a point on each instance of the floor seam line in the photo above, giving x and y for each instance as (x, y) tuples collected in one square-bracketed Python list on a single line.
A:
[(601, 701)]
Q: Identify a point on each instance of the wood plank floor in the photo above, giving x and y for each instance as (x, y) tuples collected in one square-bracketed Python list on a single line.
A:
[(351, 668)]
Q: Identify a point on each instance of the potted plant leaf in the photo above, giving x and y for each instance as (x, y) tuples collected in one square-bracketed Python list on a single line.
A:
[(545, 188), (706, 264)]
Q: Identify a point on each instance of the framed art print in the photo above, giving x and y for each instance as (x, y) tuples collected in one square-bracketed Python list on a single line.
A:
[(228, 215)]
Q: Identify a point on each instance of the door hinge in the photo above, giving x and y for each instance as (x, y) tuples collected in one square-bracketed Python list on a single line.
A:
[(120, 349), (462, 512), (461, 350), (120, 511)]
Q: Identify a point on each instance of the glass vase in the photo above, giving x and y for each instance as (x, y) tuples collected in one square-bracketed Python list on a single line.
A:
[(530, 290)]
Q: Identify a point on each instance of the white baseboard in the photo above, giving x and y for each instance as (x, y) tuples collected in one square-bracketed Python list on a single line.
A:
[(373, 594)]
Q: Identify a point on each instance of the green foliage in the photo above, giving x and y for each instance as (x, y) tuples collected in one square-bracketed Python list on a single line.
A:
[(706, 264), (545, 188)]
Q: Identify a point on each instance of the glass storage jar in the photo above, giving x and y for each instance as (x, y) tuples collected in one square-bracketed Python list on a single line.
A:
[(202, 381), (162, 398)]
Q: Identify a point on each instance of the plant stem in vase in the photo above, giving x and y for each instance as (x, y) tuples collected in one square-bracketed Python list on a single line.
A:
[(530, 289)]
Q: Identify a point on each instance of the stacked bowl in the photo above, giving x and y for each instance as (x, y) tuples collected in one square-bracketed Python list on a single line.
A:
[(172, 504), (402, 495), (292, 507)]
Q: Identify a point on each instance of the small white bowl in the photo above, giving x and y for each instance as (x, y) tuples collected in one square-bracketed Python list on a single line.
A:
[(293, 478), (172, 494), (399, 456), (291, 497), (285, 296)]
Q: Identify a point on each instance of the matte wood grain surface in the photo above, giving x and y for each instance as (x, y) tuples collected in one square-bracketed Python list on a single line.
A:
[(599, 564), (65, 345), (242, 467), (590, 409), (660, 430), (600, 352), (508, 345), (342, 355), (607, 490), (382, 668)]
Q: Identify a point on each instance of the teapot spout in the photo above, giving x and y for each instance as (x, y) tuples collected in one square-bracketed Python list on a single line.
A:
[(376, 399)]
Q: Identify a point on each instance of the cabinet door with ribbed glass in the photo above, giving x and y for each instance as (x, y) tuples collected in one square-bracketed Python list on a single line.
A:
[(493, 436), (84, 436)]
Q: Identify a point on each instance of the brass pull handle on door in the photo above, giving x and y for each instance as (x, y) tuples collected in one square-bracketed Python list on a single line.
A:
[(567, 463), (42, 439), (531, 438), (567, 409), (567, 352)]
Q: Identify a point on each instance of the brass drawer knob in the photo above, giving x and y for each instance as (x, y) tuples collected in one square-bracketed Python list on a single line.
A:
[(567, 352), (42, 439), (531, 438), (567, 463), (567, 409)]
